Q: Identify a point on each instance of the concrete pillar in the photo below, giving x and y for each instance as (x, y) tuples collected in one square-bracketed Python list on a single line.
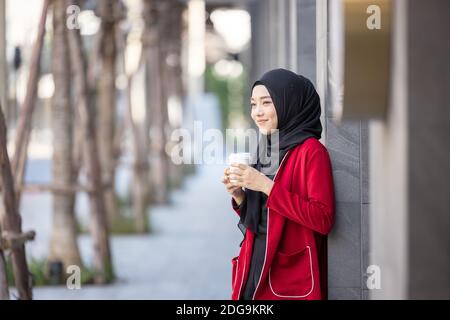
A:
[(306, 38), (429, 150), (347, 142), (293, 35), (410, 159), (261, 38)]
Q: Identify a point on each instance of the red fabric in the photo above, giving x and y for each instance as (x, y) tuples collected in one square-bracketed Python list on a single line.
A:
[(300, 215)]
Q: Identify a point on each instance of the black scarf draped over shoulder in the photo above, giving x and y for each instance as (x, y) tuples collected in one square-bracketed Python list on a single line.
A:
[(298, 110)]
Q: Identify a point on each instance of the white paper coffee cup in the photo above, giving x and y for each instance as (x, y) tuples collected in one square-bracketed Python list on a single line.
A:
[(240, 157)]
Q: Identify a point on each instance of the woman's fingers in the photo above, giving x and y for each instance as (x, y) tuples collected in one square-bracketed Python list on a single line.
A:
[(232, 188), (235, 177), (225, 180), (236, 171), (239, 166), (228, 184), (239, 184)]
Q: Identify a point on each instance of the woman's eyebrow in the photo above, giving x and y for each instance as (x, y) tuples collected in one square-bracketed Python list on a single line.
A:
[(260, 98)]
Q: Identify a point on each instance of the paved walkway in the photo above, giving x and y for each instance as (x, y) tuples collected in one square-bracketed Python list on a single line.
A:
[(188, 256)]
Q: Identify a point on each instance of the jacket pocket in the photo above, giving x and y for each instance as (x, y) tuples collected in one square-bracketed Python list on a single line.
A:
[(291, 275)]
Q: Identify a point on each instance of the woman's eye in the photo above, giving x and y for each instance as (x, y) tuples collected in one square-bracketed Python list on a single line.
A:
[(266, 102), (252, 105)]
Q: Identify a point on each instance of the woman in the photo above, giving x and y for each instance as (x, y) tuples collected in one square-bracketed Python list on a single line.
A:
[(286, 216)]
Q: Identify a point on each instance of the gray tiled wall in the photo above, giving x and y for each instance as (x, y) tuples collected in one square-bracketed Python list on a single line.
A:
[(348, 246)]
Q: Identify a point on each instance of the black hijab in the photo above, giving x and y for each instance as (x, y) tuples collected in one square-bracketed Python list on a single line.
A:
[(298, 110)]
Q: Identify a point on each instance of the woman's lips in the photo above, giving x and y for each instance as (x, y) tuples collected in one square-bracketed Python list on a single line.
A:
[(261, 121)]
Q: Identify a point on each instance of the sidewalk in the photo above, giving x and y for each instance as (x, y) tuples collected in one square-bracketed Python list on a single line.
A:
[(188, 255)]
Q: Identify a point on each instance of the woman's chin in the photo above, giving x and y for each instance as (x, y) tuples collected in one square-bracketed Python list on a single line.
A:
[(265, 131)]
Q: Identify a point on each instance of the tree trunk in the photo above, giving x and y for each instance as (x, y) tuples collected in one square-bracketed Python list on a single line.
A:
[(99, 225), (4, 289), (63, 243), (141, 177), (4, 94), (171, 69), (155, 102), (91, 74), (26, 113), (10, 219), (141, 185), (170, 25), (106, 91)]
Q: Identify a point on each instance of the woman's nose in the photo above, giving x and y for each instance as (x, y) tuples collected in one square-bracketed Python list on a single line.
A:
[(259, 110)]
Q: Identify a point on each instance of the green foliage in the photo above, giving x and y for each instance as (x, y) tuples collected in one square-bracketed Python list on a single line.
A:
[(232, 93), (124, 224), (38, 269), (219, 87)]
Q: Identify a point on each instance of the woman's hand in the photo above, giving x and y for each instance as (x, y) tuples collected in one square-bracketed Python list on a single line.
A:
[(250, 178), (236, 191)]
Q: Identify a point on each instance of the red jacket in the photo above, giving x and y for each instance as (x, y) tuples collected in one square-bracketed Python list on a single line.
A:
[(300, 214)]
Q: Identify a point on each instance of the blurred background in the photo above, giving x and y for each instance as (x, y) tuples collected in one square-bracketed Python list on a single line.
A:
[(92, 92)]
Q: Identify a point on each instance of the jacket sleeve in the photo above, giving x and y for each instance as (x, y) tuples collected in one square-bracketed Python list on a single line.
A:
[(237, 207), (316, 209)]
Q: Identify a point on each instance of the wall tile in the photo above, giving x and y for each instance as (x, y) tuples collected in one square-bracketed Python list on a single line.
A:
[(344, 294), (365, 245), (344, 247), (343, 147), (366, 294), (364, 161)]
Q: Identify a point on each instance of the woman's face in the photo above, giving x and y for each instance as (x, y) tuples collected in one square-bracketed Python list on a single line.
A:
[(263, 110)]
